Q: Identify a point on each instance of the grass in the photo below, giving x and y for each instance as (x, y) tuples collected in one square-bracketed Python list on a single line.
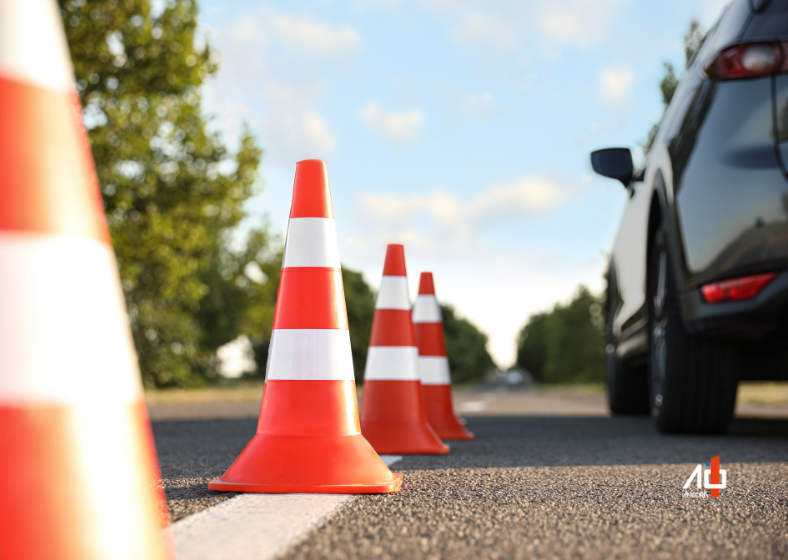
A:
[(242, 392), (760, 393), (569, 389), (772, 393)]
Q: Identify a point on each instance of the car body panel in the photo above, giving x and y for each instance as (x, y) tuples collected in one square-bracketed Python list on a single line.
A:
[(628, 248), (767, 23), (728, 183), (781, 118), (715, 177)]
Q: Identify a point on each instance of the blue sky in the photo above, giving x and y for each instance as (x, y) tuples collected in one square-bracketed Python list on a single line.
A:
[(458, 128)]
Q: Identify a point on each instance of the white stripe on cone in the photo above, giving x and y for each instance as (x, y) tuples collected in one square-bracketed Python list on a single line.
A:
[(427, 310), (399, 363), (393, 293), (64, 336), (434, 370), (30, 32), (311, 242), (310, 354)]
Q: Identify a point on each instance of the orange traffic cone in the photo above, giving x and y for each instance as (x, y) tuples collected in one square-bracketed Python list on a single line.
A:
[(433, 363), (392, 409), (308, 437), (77, 472)]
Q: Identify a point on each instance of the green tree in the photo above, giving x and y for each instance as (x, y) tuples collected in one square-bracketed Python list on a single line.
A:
[(360, 302), (255, 311), (465, 344), (668, 84), (243, 285), (670, 81), (171, 190), (532, 345), (466, 347), (565, 345)]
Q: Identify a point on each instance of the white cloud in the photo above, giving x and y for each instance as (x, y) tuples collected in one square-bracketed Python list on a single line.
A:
[(300, 132), (439, 221), (364, 5), (302, 33), (577, 22), (526, 197), (401, 128), (493, 30), (481, 106), (355, 242), (269, 69), (441, 206), (616, 83), (509, 26)]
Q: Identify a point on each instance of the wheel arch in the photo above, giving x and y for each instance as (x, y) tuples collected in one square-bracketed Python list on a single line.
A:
[(662, 211)]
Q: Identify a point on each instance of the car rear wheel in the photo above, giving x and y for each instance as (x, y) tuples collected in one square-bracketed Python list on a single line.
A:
[(692, 379)]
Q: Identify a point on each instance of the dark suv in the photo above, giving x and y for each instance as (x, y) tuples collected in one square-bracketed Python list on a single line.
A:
[(698, 277)]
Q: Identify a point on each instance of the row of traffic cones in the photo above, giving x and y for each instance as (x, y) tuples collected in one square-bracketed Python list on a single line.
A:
[(309, 435), (78, 469)]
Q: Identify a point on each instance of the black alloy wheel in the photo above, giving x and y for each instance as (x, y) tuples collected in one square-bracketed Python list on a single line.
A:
[(692, 379)]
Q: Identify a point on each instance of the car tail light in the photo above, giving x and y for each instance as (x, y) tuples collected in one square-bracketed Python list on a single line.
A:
[(748, 61), (736, 289)]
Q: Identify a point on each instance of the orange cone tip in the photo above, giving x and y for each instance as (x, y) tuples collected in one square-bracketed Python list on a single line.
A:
[(434, 364), (308, 436), (393, 418), (78, 474)]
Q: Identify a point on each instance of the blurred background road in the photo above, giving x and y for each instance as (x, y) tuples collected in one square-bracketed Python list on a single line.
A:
[(550, 474)]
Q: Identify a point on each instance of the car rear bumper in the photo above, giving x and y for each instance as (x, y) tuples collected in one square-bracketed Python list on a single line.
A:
[(742, 320)]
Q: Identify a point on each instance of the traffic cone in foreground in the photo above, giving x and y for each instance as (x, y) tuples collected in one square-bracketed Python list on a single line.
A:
[(433, 363), (77, 470), (393, 418), (308, 437)]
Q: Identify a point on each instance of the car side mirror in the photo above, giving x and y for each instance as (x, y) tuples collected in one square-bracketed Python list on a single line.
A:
[(615, 163)]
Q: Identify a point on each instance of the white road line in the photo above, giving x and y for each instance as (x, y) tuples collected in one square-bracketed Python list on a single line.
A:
[(255, 526), (471, 406)]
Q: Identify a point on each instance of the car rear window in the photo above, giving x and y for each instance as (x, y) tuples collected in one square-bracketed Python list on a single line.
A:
[(769, 23)]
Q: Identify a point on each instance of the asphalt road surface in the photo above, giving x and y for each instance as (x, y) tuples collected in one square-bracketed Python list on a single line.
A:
[(549, 476)]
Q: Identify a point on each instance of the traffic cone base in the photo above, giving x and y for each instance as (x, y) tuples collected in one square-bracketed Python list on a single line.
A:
[(310, 465), (440, 414), (326, 455), (393, 419)]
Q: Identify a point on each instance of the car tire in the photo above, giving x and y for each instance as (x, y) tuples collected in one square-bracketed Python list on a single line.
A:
[(692, 379), (627, 385)]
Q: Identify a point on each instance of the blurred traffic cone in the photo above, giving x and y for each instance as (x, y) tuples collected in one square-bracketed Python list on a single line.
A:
[(308, 437), (393, 418), (433, 363), (77, 470)]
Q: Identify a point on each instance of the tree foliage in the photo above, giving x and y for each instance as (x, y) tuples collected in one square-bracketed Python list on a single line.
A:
[(360, 301), (465, 344), (172, 191), (670, 80), (566, 344), (466, 347)]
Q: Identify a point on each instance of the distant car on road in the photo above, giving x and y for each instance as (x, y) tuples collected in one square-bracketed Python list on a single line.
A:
[(698, 276)]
